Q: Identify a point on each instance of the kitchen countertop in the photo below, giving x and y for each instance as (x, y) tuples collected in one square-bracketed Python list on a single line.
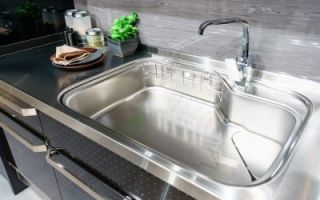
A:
[(31, 71), (31, 74)]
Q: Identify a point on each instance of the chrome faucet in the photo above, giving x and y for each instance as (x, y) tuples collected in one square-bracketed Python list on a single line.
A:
[(242, 64)]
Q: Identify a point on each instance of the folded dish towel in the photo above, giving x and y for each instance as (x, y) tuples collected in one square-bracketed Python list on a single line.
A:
[(66, 55), (4, 31)]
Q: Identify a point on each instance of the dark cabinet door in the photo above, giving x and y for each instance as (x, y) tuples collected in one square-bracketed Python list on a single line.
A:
[(71, 191), (77, 182), (28, 148), (2, 170), (34, 168), (8, 166)]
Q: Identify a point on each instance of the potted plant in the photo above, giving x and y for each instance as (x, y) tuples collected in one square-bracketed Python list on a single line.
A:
[(28, 15), (124, 35), (28, 11)]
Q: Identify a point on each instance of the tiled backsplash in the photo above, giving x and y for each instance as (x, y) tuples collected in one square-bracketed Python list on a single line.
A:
[(285, 34)]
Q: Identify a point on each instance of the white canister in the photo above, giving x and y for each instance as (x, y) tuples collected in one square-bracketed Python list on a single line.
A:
[(68, 17), (82, 22), (95, 37)]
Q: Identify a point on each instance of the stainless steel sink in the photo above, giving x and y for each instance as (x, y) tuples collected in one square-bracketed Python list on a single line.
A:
[(188, 115)]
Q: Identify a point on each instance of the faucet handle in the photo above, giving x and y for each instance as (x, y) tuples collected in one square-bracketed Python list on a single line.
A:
[(234, 73)]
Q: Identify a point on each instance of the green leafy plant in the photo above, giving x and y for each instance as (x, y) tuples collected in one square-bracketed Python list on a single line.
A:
[(28, 9), (124, 28)]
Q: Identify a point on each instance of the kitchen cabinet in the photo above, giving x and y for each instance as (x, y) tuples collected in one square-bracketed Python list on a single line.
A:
[(8, 166), (2, 170), (34, 168), (26, 140)]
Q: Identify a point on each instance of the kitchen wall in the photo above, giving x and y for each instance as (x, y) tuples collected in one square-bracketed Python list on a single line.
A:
[(13, 4), (285, 34)]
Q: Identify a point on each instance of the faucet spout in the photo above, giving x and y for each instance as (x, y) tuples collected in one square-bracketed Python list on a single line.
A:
[(245, 37)]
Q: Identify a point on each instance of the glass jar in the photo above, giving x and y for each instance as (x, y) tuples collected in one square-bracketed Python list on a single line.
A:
[(82, 22), (95, 37), (68, 17), (46, 16)]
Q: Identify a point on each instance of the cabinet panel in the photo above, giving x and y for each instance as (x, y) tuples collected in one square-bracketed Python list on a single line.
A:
[(34, 167), (24, 142), (69, 190), (17, 182), (87, 183), (72, 192), (20, 111), (2, 170)]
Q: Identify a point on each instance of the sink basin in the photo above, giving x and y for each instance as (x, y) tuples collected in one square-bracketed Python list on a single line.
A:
[(192, 118)]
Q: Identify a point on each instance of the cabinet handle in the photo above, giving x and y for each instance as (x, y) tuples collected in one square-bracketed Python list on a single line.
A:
[(29, 145), (61, 168), (17, 105)]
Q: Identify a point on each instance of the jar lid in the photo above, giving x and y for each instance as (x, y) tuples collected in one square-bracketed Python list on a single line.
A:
[(82, 13), (93, 31), (70, 12)]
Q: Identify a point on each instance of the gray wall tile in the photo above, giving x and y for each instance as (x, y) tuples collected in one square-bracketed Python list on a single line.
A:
[(285, 34)]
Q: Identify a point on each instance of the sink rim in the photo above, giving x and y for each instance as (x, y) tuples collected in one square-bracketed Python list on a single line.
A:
[(210, 183)]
